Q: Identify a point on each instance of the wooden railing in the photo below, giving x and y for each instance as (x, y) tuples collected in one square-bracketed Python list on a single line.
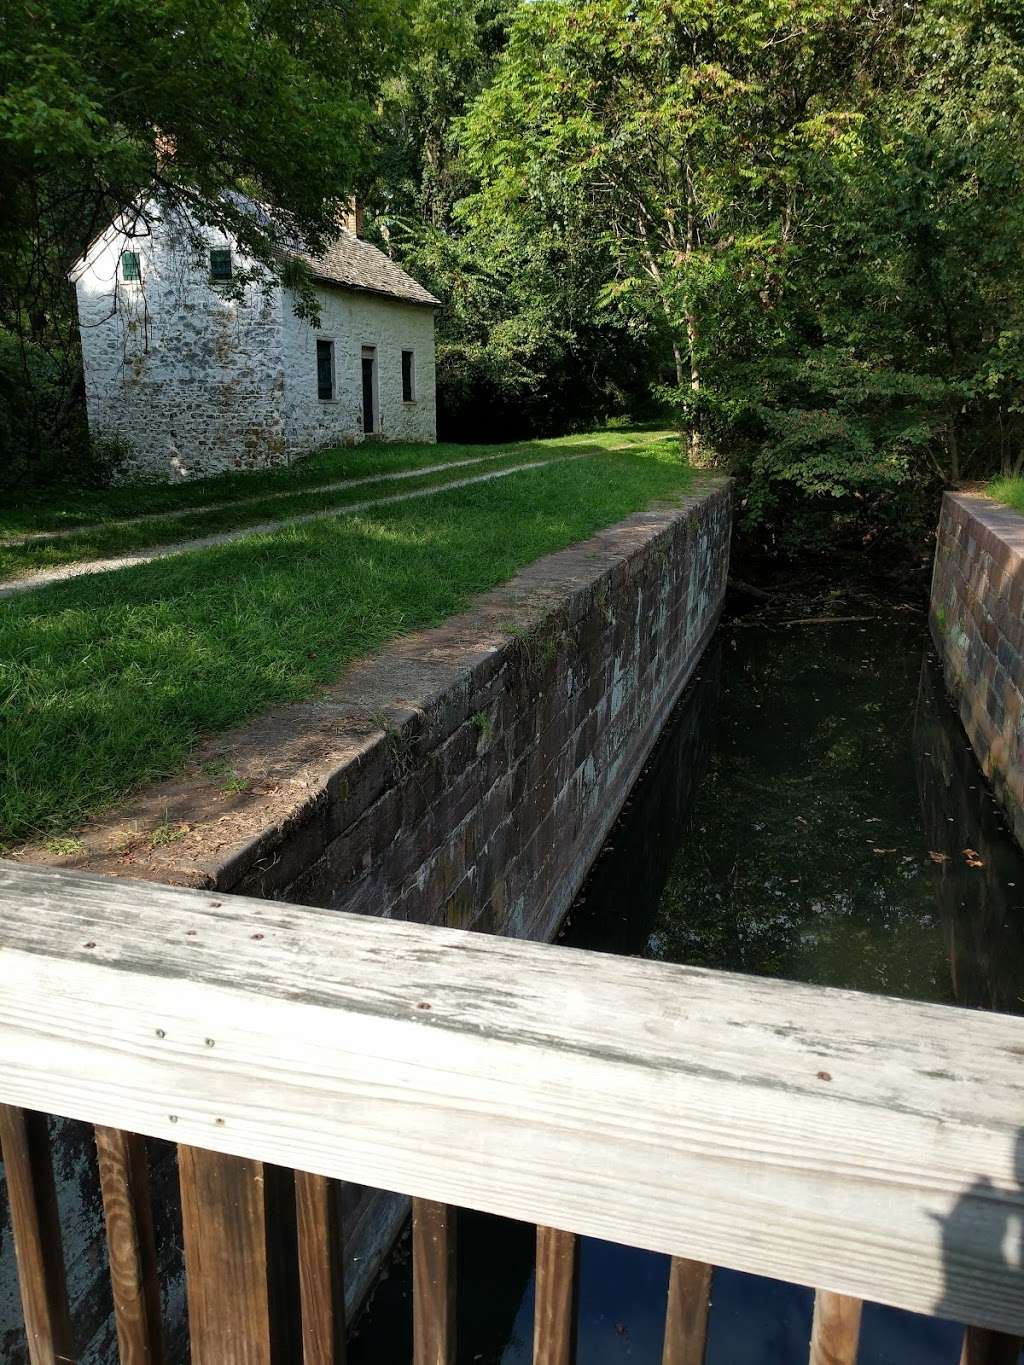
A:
[(866, 1146)]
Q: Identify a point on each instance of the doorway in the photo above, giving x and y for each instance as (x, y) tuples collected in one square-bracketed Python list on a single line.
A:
[(369, 390)]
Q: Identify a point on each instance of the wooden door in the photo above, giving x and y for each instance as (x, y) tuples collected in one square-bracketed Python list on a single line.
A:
[(369, 425)]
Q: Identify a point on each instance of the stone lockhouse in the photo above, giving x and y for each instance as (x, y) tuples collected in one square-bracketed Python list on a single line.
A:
[(194, 375)]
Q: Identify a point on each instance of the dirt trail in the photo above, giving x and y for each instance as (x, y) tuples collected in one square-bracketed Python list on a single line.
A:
[(175, 514), (42, 578)]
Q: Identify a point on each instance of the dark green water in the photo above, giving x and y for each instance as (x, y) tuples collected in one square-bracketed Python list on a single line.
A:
[(804, 816)]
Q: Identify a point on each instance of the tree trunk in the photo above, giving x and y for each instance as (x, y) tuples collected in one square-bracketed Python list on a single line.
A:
[(699, 455), (953, 446)]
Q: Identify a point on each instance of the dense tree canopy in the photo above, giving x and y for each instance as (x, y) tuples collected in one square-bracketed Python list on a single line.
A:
[(798, 224), (817, 203), (101, 100)]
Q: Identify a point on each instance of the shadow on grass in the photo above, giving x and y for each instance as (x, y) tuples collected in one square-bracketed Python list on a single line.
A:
[(114, 539), (56, 509), (109, 682)]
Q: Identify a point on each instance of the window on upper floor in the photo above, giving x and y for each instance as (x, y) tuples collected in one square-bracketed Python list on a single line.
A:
[(220, 264), (131, 265), (408, 377), (325, 369)]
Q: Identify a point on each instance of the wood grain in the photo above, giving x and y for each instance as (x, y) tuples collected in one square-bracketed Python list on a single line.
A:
[(861, 1144), (134, 1276), (982, 1347), (241, 1303), (554, 1310), (433, 1281), (835, 1330), (321, 1269), (686, 1315), (28, 1174)]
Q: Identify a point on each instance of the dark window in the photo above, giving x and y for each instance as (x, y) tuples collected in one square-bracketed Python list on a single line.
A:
[(130, 267), (408, 377), (220, 263), (325, 369)]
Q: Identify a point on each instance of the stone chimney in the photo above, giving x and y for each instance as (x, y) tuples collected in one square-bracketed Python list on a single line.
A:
[(352, 217)]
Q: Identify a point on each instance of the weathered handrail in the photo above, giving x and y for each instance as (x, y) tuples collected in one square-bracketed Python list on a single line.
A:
[(867, 1146)]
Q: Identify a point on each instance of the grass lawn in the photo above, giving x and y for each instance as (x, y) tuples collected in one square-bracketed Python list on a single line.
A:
[(111, 538), (61, 509), (1010, 491), (108, 682)]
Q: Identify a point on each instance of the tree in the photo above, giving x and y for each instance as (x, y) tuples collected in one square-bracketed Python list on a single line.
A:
[(673, 121), (818, 203), (418, 174), (102, 101), (522, 346)]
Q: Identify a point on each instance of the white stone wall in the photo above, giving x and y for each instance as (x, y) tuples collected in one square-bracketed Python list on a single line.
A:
[(195, 382), (190, 379), (353, 321)]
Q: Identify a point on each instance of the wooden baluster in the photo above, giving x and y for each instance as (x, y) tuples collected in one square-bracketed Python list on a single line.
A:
[(433, 1271), (686, 1317), (28, 1171), (554, 1313), (241, 1259), (982, 1347), (321, 1269), (124, 1183), (835, 1333)]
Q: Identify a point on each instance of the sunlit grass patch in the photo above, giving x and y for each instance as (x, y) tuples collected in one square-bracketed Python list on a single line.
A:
[(1010, 491), (57, 509), (109, 682)]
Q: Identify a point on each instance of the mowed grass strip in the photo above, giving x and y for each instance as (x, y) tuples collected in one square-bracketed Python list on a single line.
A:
[(59, 509), (108, 682), (115, 538)]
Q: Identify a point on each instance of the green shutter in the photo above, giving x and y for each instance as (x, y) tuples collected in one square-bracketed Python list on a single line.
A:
[(220, 263), (130, 269), (325, 369)]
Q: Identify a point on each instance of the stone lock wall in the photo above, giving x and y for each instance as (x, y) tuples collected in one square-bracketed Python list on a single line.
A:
[(977, 622), (467, 775), (485, 803)]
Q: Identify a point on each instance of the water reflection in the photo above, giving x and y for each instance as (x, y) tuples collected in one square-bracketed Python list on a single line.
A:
[(805, 815), (808, 852), (788, 826), (980, 897), (615, 911), (804, 856)]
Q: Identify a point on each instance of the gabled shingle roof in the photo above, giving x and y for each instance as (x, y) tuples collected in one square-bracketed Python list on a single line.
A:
[(354, 264), (348, 261)]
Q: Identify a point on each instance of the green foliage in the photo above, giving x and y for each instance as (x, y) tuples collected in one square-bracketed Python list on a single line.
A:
[(523, 345), (102, 101), (1010, 491), (817, 207), (110, 681)]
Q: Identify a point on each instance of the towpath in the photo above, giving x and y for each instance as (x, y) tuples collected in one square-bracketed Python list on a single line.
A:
[(42, 578)]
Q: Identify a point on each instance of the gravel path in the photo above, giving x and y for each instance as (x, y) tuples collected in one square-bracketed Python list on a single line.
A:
[(27, 537), (41, 578)]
